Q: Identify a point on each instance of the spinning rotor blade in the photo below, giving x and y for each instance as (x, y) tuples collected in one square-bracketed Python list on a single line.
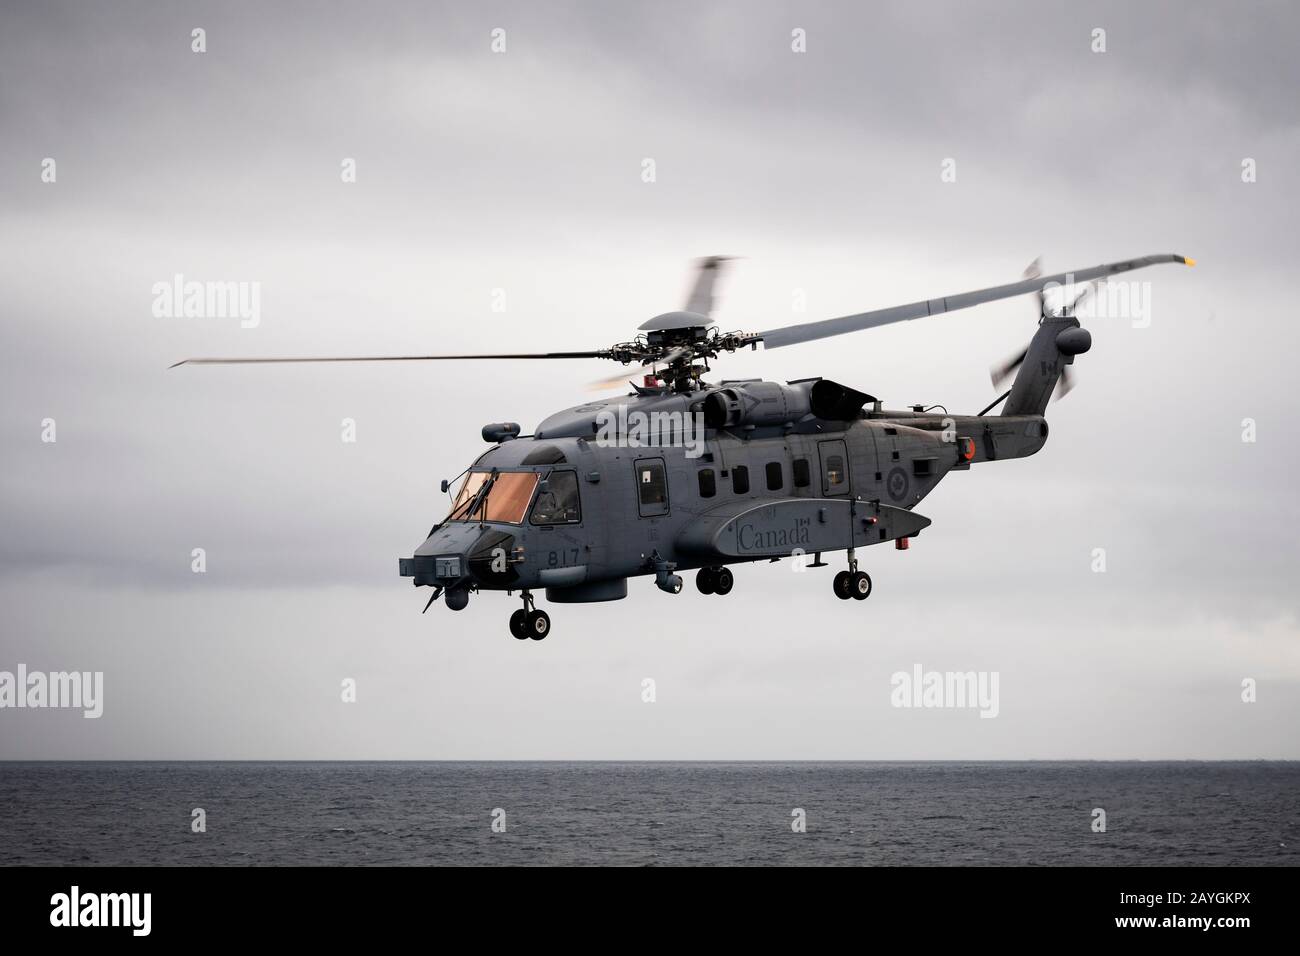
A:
[(668, 358), (1034, 271), (702, 299), (1063, 308), (794, 334), (1063, 384), (395, 358), (1088, 289), (605, 384), (1000, 373)]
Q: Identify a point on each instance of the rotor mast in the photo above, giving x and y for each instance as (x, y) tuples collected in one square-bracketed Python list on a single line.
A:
[(682, 343)]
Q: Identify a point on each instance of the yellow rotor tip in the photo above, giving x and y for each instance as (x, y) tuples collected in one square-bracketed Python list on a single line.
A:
[(1189, 260)]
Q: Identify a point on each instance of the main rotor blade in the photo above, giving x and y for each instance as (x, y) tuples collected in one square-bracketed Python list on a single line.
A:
[(702, 298), (394, 358), (605, 384), (794, 334)]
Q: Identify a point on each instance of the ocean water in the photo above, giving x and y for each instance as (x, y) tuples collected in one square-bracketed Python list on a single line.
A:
[(650, 813)]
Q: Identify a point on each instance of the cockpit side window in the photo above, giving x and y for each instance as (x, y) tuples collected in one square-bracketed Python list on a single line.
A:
[(558, 503), (468, 489)]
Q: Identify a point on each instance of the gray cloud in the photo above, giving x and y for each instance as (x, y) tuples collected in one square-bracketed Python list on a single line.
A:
[(521, 172)]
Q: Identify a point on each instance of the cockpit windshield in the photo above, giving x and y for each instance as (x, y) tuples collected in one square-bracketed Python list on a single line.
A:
[(503, 497)]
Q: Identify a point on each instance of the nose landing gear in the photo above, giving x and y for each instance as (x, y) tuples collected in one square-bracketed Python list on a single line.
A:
[(529, 621), (852, 583)]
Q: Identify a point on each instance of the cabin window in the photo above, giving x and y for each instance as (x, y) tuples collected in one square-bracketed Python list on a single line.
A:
[(922, 467), (834, 471), (775, 480), (557, 503), (708, 483), (740, 480), (652, 487), (835, 467), (802, 473)]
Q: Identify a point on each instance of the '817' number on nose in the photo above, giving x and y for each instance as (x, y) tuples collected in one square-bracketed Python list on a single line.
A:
[(566, 558)]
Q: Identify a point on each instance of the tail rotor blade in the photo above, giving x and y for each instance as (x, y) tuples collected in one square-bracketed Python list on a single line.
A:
[(1088, 289), (1033, 271), (1000, 373), (1064, 384)]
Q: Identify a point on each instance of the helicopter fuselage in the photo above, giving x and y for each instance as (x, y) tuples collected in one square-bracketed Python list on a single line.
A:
[(640, 485)]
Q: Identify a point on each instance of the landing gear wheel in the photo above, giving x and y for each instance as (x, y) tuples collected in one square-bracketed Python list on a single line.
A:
[(843, 585), (723, 581), (538, 625), (706, 581), (860, 585), (518, 624)]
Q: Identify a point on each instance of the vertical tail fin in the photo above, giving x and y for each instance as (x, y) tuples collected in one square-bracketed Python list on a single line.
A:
[(1058, 340)]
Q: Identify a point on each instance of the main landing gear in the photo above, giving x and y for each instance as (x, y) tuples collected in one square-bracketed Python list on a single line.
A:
[(714, 580), (528, 621), (852, 583)]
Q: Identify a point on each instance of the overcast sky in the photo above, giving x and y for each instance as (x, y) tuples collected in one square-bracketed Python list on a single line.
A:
[(522, 171)]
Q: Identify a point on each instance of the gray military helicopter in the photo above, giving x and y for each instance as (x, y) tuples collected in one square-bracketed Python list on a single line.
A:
[(681, 474)]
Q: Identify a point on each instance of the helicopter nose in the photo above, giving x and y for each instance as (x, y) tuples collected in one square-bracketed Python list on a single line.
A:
[(443, 559), (455, 553)]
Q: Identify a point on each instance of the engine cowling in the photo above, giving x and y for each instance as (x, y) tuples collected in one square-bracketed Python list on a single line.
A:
[(771, 403), (756, 403)]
